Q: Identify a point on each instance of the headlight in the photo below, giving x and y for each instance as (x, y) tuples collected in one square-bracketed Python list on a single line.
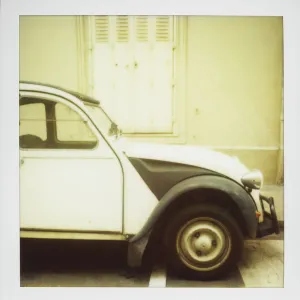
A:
[(253, 180)]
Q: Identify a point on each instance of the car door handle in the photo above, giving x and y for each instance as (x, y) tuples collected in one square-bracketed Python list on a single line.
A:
[(22, 161)]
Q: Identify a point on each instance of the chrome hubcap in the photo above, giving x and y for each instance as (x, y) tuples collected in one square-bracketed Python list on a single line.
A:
[(203, 244)]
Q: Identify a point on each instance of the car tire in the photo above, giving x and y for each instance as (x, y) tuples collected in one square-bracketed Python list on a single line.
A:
[(203, 242)]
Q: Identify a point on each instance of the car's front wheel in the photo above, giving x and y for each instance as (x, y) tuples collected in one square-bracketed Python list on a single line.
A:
[(203, 241)]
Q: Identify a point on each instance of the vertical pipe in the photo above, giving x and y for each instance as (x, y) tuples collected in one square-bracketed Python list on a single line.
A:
[(280, 163)]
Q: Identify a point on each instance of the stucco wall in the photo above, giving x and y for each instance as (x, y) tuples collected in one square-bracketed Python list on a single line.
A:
[(234, 87), (48, 50), (233, 93)]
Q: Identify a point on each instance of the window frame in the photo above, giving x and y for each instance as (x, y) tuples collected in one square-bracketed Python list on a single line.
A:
[(128, 131), (87, 47), (51, 126)]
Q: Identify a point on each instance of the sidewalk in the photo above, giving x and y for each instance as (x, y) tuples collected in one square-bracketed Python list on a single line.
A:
[(277, 192)]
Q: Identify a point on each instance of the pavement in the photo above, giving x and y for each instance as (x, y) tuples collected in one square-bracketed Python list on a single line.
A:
[(50, 263)]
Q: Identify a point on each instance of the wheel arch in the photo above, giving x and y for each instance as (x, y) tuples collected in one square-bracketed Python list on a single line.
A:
[(227, 193), (204, 195)]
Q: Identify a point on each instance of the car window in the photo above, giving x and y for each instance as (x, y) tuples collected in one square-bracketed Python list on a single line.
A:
[(53, 125), (70, 127), (32, 125)]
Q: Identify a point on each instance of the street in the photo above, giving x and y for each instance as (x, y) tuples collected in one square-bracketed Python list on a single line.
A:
[(52, 263)]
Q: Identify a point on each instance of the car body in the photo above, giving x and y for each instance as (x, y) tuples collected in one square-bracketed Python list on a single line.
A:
[(81, 179)]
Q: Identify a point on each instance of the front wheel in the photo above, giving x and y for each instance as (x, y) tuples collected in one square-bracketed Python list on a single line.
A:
[(203, 241)]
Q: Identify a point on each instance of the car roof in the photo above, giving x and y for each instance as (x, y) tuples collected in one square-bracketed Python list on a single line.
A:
[(84, 98)]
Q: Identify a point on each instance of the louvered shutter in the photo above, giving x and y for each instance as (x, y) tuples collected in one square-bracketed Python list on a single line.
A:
[(123, 92), (134, 71), (154, 73), (102, 61)]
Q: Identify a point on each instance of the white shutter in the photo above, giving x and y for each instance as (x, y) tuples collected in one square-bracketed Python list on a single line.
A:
[(143, 71), (134, 71), (154, 76), (123, 99)]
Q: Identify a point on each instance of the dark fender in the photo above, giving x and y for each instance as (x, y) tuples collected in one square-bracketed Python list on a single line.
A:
[(247, 206)]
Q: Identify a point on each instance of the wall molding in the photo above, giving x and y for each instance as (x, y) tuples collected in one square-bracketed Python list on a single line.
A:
[(259, 148)]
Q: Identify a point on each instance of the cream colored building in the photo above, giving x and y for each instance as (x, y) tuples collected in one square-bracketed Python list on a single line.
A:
[(210, 81)]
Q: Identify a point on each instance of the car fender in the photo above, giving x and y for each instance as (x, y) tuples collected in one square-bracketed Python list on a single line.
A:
[(244, 201)]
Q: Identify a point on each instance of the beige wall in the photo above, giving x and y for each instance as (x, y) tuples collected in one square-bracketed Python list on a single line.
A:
[(234, 87), (233, 93), (48, 50)]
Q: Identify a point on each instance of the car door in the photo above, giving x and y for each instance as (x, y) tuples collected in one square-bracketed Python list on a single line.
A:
[(70, 178)]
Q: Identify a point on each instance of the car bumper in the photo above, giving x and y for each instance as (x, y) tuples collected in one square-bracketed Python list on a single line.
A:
[(270, 224)]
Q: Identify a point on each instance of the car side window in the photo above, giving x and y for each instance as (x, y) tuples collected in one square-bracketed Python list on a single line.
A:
[(48, 124), (32, 125), (72, 132)]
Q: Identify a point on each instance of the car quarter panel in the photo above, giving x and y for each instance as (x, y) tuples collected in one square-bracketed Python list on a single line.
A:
[(185, 155)]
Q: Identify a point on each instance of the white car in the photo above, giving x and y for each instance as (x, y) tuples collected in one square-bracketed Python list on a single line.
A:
[(80, 179)]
